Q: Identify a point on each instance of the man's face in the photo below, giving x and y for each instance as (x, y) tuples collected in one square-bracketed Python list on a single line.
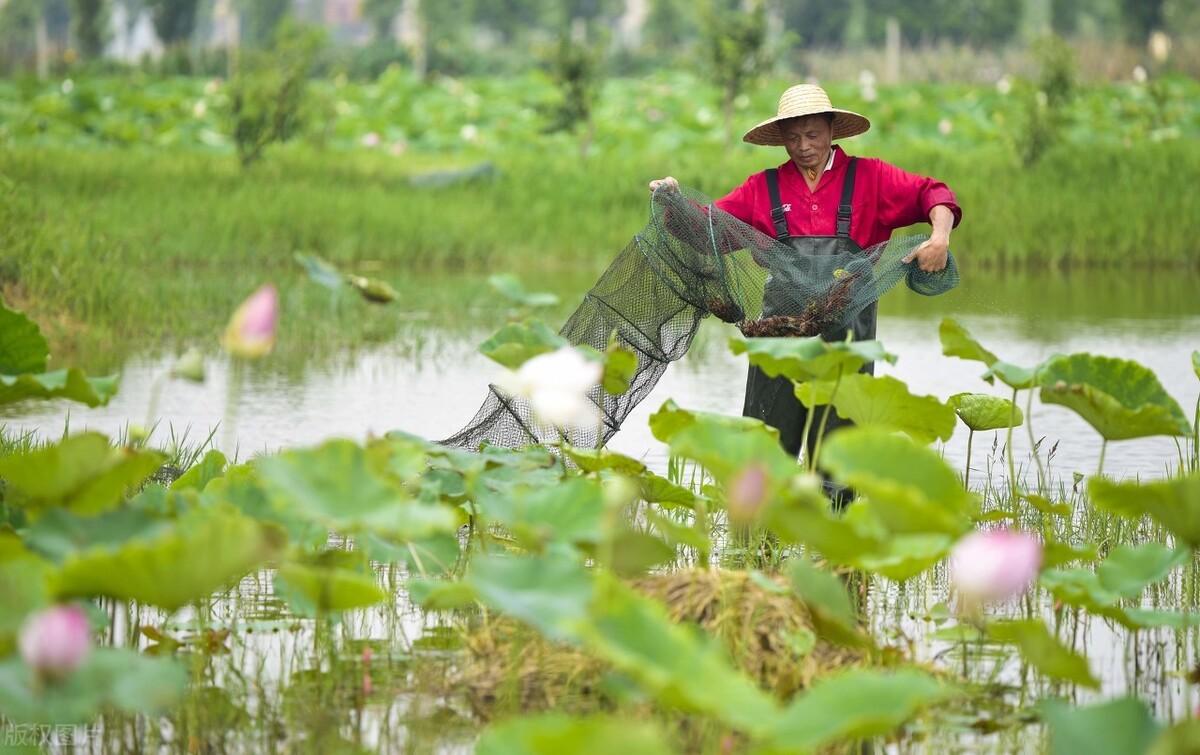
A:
[(807, 140)]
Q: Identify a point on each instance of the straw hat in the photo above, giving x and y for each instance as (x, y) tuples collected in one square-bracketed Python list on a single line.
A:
[(801, 100)]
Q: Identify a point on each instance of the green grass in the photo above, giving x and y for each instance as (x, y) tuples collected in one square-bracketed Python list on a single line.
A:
[(129, 248)]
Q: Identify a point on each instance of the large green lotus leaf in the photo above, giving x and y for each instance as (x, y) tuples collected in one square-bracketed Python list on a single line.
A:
[(854, 704), (620, 367), (804, 517), (676, 534), (559, 734), (23, 349), (1012, 375), (311, 590), (335, 484), (206, 550), (631, 553), (725, 450), (595, 460), (203, 472), (1120, 398), (958, 342), (69, 383), (241, 488), (510, 287), (1043, 651), (1173, 503), (550, 592), (1181, 739), (671, 418), (1128, 570), (887, 403), (571, 511), (518, 342), (910, 487), (902, 557), (110, 678), (828, 603), (58, 534), (435, 556), (1196, 363), (24, 583), (804, 359), (982, 412), (1116, 727), (660, 490), (1056, 553), (635, 634), (82, 473), (1082, 588)]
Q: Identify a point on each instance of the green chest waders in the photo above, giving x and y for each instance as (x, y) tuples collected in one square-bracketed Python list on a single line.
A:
[(773, 400)]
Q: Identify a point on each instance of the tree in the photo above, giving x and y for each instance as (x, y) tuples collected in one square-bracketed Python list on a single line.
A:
[(380, 14), (174, 20), (1141, 17), (669, 25), (260, 19), (816, 23), (89, 27), (736, 43)]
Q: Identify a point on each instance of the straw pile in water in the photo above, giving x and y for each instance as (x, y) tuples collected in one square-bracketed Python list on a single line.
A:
[(763, 630)]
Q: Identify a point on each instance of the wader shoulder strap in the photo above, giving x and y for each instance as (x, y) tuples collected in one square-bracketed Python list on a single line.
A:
[(777, 216), (843, 215)]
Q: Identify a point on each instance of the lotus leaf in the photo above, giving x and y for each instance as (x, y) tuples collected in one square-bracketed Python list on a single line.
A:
[(1120, 398), (883, 402), (805, 359), (1043, 651), (982, 412), (1116, 727), (854, 704), (557, 734), (516, 343)]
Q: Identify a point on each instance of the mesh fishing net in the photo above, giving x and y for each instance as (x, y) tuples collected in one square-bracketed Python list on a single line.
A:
[(693, 260)]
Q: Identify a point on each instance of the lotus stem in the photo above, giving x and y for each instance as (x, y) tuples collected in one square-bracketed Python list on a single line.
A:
[(967, 473), (1103, 448), (1037, 457), (810, 460), (825, 417), (1012, 469)]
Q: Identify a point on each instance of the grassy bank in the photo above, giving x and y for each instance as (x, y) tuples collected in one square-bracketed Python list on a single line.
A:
[(134, 245)]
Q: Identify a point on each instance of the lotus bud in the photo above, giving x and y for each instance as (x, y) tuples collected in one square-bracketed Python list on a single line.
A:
[(251, 330), (55, 641), (995, 565), (190, 366), (747, 493), (372, 290)]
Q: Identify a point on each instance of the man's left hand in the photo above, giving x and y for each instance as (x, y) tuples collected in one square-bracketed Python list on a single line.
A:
[(931, 255)]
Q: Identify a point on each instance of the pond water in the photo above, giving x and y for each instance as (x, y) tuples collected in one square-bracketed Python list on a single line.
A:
[(429, 378)]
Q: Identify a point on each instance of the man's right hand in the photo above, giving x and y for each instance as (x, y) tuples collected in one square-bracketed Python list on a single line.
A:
[(668, 184)]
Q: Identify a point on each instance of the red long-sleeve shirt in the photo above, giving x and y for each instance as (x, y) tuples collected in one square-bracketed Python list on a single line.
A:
[(885, 198)]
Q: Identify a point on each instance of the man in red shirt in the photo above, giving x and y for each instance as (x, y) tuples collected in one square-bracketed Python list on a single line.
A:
[(823, 201)]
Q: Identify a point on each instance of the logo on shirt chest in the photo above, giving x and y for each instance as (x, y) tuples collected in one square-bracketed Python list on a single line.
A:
[(787, 206)]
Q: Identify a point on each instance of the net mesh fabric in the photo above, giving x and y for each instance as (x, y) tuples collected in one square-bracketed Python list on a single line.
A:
[(691, 261)]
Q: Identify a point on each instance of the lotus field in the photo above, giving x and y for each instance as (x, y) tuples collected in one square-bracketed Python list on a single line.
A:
[(403, 596)]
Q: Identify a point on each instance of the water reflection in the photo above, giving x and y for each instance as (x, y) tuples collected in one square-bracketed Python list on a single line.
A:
[(429, 379)]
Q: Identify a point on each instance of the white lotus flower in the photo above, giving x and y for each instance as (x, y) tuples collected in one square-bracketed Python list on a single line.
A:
[(556, 384)]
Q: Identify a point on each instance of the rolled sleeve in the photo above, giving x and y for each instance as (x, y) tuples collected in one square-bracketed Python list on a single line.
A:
[(907, 198)]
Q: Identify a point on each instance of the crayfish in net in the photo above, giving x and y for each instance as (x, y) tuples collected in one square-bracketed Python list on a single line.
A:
[(726, 311), (821, 315)]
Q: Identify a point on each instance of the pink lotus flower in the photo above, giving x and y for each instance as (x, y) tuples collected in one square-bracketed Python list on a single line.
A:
[(747, 493), (995, 565), (54, 642), (251, 330)]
